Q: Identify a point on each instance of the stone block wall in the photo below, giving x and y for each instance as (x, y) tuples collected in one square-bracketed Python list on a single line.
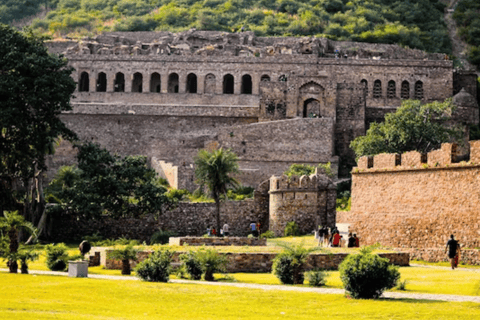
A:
[(417, 206), (217, 241), (262, 262), (386, 160)]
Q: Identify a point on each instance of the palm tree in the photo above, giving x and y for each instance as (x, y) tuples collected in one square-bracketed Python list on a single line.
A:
[(213, 169), (12, 223)]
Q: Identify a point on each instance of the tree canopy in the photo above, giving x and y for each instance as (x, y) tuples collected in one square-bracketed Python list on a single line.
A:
[(417, 24), (213, 170), (106, 184), (35, 87), (467, 16), (414, 126)]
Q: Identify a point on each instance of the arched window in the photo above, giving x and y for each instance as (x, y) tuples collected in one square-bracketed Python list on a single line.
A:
[(265, 78), (119, 84), (192, 83), (228, 84), (418, 90), (282, 78), (173, 83), (246, 84), (101, 82), (311, 108), (365, 84), (155, 82), (391, 90), (84, 83), (210, 83), (405, 94), (377, 89), (137, 82)]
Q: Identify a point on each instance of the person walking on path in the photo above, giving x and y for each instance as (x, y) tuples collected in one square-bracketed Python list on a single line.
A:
[(225, 230), (452, 247)]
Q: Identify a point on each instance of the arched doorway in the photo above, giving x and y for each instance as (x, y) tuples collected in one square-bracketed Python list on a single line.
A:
[(192, 83), (311, 108), (83, 84), (173, 83), (228, 84)]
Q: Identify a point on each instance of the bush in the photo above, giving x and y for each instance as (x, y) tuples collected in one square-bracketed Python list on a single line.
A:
[(288, 265), (267, 235), (125, 255), (57, 256), (156, 268), (192, 265), (317, 278), (211, 261), (291, 229), (161, 236), (366, 275)]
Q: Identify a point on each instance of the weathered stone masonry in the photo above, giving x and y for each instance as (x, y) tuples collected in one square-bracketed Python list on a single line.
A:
[(168, 95), (413, 201)]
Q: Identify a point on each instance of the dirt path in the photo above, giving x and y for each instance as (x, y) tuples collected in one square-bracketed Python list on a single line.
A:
[(386, 295), (459, 47)]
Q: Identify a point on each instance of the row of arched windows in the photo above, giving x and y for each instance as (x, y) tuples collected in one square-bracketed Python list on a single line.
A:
[(392, 89), (172, 85)]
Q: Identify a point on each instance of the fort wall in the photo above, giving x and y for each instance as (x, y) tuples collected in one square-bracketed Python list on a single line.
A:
[(407, 202)]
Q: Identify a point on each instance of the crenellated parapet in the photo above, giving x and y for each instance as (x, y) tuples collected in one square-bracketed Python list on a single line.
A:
[(307, 200), (446, 156)]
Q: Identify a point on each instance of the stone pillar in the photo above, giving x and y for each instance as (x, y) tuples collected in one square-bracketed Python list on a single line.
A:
[(256, 84), (219, 86), (146, 82), (237, 86), (110, 82), (128, 82), (201, 84), (182, 82), (164, 82), (92, 78)]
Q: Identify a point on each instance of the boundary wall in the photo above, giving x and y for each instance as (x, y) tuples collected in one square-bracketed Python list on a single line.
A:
[(414, 201)]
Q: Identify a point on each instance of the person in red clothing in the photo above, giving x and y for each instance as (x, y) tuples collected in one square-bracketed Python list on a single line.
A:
[(214, 232), (357, 241), (336, 240)]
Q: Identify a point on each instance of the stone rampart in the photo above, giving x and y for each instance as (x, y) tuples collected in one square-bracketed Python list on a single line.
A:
[(262, 262), (417, 204), (217, 241)]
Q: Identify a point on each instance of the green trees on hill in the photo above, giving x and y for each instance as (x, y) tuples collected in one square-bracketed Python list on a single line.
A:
[(417, 24), (467, 16)]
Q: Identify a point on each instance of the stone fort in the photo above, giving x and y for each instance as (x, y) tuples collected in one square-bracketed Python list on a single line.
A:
[(273, 101)]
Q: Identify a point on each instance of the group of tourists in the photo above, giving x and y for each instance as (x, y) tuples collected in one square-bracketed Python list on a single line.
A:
[(330, 237), (254, 229), (212, 232)]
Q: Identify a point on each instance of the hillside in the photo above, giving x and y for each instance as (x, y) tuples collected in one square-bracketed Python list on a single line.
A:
[(415, 24)]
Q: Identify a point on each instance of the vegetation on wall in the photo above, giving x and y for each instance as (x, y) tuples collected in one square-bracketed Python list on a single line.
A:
[(416, 24), (414, 126), (467, 16)]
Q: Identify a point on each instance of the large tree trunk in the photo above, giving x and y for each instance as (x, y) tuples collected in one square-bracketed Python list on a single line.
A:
[(12, 266), (126, 267)]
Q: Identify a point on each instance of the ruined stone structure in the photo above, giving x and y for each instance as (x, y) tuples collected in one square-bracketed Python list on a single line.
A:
[(274, 101), (308, 200), (414, 201)]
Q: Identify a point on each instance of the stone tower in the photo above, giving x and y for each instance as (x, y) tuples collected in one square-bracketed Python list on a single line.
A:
[(307, 200)]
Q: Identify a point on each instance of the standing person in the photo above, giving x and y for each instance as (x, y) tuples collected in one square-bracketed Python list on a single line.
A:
[(225, 230), (214, 232), (209, 231), (357, 241), (336, 239), (457, 256), (452, 246), (325, 236), (258, 227), (253, 229), (351, 241)]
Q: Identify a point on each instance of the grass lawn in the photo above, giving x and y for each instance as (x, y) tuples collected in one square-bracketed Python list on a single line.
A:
[(50, 297)]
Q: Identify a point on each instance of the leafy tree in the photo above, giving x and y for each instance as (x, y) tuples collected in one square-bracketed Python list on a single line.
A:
[(414, 126), (35, 87), (108, 184), (366, 275), (12, 222), (213, 170)]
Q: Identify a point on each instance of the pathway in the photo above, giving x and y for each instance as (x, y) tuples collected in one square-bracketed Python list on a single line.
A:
[(388, 295)]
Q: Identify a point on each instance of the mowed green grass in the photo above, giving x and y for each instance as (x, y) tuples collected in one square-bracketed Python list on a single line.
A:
[(52, 297)]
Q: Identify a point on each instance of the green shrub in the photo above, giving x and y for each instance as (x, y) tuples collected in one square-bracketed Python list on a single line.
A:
[(94, 238), (269, 234), (366, 275), (24, 256), (156, 268), (317, 278), (125, 255), (288, 265), (192, 265), (291, 229), (57, 256), (211, 261), (161, 236)]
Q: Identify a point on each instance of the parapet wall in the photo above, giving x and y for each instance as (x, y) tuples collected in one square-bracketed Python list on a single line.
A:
[(407, 201)]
